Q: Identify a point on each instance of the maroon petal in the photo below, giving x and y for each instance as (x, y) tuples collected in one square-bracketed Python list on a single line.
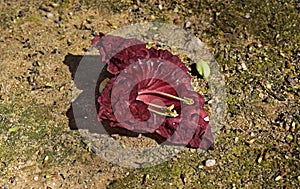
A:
[(116, 51), (119, 52), (139, 110), (97, 39)]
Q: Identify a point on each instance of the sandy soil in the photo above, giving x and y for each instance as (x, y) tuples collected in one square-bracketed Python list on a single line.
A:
[(256, 45)]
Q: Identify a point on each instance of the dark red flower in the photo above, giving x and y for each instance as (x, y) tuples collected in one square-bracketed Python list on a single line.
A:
[(151, 92)]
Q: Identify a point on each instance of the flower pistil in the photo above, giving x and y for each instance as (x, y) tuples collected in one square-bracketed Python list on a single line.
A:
[(185, 100)]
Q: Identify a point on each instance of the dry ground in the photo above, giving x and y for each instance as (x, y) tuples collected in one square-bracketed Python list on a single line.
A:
[(256, 45)]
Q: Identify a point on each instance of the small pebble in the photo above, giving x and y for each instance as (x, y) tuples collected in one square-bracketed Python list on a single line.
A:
[(193, 150), (206, 118), (36, 178), (247, 15), (259, 45), (152, 17), (210, 162), (174, 159), (244, 67), (260, 159), (188, 24), (49, 15), (269, 86), (160, 7), (176, 151), (54, 5), (278, 178), (233, 186), (251, 141), (115, 136)]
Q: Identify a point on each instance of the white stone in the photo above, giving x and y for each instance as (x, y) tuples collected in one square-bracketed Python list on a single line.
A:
[(206, 118), (36, 178), (160, 7), (49, 15), (247, 15), (210, 162)]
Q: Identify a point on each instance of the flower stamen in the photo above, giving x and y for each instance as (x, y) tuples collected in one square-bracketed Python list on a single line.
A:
[(167, 110), (167, 113)]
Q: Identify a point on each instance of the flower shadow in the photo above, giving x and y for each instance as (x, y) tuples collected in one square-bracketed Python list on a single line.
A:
[(82, 113)]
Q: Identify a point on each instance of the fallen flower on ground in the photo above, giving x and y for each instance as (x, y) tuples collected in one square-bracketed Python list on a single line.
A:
[(151, 92)]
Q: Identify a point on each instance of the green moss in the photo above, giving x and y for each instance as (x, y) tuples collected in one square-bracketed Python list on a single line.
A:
[(37, 138), (34, 18)]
